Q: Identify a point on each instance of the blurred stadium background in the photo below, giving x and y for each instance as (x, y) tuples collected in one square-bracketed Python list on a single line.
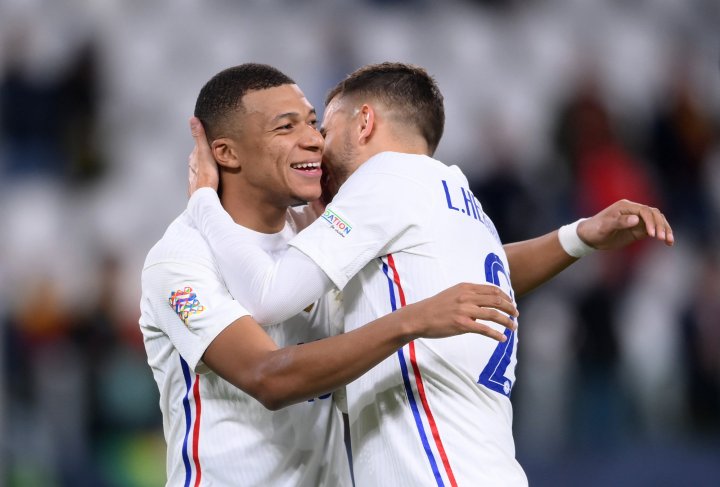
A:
[(555, 108)]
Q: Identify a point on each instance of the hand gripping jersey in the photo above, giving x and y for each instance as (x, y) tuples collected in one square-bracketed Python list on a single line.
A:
[(437, 413), (215, 433)]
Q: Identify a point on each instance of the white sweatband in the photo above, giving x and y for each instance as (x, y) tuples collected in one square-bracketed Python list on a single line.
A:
[(571, 242)]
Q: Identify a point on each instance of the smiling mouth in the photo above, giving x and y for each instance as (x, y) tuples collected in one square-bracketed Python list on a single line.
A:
[(305, 166)]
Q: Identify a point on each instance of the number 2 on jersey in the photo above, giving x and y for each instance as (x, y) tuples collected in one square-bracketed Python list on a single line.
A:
[(493, 375)]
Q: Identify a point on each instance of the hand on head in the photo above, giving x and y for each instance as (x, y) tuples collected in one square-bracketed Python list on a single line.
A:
[(202, 168)]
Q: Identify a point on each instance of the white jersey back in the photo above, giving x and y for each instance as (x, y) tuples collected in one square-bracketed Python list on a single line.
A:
[(437, 412), (215, 433)]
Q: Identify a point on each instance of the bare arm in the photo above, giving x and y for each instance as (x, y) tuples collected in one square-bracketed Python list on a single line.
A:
[(244, 355), (534, 262)]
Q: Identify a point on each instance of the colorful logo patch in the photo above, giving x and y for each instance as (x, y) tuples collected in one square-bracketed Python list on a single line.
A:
[(342, 227), (185, 303)]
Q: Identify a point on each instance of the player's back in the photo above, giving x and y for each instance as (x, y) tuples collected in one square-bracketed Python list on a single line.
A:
[(438, 411), (214, 431)]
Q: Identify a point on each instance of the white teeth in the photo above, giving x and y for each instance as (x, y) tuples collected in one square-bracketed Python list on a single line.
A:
[(305, 165)]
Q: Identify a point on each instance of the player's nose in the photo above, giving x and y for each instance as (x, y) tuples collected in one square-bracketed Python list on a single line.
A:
[(312, 140)]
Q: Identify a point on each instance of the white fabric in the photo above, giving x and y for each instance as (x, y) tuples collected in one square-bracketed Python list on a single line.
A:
[(429, 400), (401, 229), (237, 440), (269, 284), (571, 242)]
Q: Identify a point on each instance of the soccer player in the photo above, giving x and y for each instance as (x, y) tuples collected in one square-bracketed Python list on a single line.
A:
[(212, 360), (402, 226)]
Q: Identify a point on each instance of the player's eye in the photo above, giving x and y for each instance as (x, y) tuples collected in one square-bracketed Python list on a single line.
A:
[(287, 126)]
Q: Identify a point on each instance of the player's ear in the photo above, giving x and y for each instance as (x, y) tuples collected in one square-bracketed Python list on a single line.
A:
[(225, 153), (366, 122)]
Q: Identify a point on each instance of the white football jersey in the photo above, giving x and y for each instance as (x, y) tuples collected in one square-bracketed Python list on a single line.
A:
[(403, 228), (215, 433)]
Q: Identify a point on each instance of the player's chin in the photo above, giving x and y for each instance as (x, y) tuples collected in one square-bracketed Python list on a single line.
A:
[(309, 192)]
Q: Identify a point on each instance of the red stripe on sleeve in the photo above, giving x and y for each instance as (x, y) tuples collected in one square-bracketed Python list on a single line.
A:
[(421, 386), (196, 430), (396, 278)]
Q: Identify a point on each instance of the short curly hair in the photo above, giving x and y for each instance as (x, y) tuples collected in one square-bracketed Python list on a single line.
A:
[(222, 94)]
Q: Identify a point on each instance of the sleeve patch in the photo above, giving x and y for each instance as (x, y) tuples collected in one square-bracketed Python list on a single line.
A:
[(185, 303), (340, 225)]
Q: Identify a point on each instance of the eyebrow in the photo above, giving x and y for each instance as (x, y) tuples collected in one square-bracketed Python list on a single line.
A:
[(277, 118)]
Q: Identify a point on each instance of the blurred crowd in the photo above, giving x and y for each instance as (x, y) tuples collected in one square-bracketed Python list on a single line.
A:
[(555, 109)]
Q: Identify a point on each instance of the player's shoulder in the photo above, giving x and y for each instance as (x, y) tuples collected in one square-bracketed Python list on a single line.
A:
[(181, 242), (409, 173), (413, 166), (456, 173)]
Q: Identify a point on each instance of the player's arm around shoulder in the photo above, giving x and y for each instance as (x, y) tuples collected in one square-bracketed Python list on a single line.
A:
[(245, 356)]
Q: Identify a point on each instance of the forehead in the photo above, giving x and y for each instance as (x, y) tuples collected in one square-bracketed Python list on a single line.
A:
[(271, 102), (336, 105)]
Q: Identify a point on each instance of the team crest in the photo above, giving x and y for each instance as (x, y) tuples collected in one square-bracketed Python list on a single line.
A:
[(185, 303)]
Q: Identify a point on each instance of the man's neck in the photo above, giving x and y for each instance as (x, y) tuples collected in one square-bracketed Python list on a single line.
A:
[(402, 145), (253, 212)]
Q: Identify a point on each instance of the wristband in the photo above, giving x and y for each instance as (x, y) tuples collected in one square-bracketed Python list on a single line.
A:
[(571, 242)]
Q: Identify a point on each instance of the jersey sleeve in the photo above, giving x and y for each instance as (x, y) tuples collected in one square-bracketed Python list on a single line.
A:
[(273, 287), (373, 214), (190, 305)]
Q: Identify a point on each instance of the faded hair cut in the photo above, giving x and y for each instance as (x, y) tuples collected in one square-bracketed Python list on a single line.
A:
[(222, 95), (406, 89)]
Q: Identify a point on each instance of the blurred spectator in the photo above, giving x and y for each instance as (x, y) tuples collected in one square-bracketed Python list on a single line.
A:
[(44, 376), (122, 393), (681, 139), (80, 111), (604, 170), (504, 194), (48, 124), (80, 383), (701, 347), (599, 407), (30, 120)]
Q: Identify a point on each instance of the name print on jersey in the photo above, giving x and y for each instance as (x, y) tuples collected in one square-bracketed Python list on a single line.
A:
[(341, 227), (185, 303), (472, 207)]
